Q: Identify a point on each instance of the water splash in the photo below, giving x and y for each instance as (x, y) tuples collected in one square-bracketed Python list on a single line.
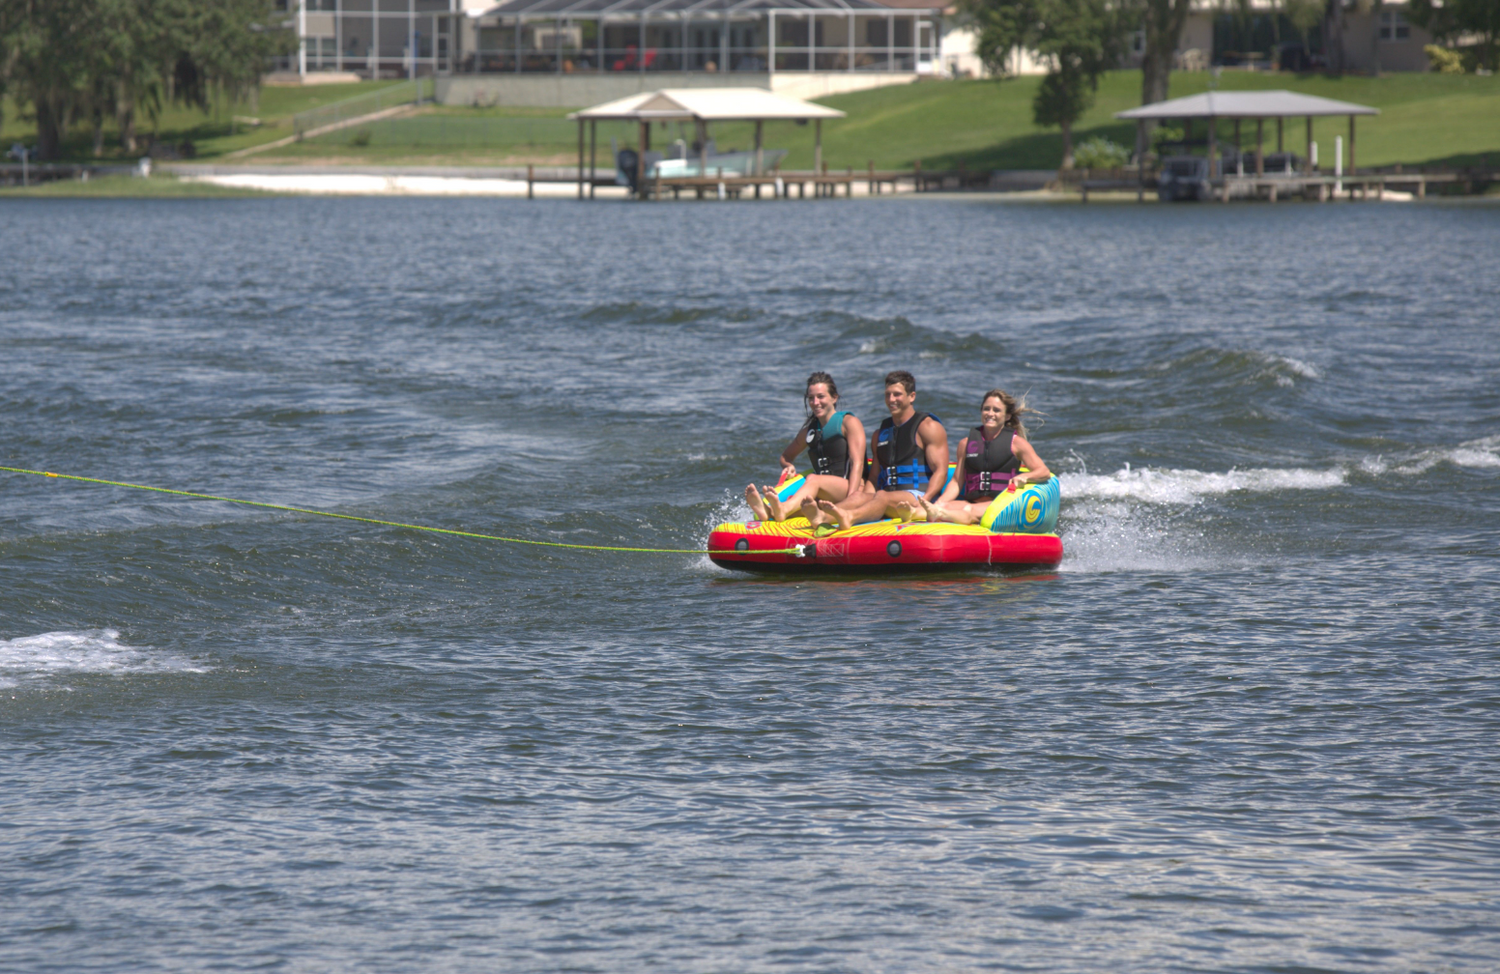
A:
[(1480, 454), (85, 651), (1175, 486)]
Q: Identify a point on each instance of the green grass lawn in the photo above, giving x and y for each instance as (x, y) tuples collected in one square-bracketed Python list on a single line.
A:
[(1426, 119), (212, 133)]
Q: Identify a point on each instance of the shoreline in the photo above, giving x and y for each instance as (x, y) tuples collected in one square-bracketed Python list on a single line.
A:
[(178, 181)]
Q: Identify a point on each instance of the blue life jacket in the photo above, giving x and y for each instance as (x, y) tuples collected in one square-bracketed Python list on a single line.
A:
[(903, 464)]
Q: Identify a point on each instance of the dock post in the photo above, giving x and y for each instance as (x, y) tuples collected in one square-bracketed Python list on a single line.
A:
[(874, 189), (593, 152), (817, 143), (530, 174), (916, 177), (1421, 189), (1352, 170), (580, 158)]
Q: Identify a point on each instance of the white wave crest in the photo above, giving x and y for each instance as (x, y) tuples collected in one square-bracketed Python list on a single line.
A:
[(1298, 367), (1188, 486), (87, 651), (1480, 454)]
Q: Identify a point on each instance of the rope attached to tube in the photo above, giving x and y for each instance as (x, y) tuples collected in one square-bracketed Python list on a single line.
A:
[(394, 524)]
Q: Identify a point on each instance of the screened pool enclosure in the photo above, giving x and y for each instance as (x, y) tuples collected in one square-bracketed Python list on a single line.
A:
[(714, 36)]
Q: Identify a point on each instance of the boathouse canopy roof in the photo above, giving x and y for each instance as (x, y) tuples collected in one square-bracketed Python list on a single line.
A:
[(708, 105), (1246, 104), (596, 8)]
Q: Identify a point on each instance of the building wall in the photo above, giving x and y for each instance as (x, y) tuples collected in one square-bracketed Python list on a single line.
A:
[(578, 90), (960, 41), (1362, 46), (817, 84)]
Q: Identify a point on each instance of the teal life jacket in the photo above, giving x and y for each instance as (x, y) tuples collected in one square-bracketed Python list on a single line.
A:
[(827, 447)]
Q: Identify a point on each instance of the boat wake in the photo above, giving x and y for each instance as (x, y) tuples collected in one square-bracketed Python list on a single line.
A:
[(49, 654)]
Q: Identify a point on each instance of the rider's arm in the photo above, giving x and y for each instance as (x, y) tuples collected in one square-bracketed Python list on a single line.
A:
[(789, 455), (854, 435), (1036, 470), (935, 451), (951, 491)]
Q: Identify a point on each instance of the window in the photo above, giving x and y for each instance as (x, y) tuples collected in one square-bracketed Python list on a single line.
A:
[(1393, 26)]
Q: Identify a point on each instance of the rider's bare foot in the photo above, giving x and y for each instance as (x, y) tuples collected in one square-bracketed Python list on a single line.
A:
[(814, 516), (935, 514), (831, 510), (756, 502), (905, 511), (773, 504)]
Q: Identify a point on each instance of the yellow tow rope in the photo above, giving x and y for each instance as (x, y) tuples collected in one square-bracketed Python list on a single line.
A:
[(396, 524)]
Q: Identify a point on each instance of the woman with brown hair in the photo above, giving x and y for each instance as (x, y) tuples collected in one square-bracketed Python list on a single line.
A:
[(835, 445)]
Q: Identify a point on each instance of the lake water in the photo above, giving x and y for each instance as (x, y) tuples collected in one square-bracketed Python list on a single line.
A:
[(1249, 725)]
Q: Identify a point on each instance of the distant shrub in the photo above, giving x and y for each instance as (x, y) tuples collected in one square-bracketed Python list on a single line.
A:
[(1100, 153), (360, 138), (1444, 60)]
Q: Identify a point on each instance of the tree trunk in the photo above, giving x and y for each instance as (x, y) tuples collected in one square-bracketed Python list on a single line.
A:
[(1162, 24), (1067, 134), (49, 127), (98, 131), (1333, 36), (125, 115)]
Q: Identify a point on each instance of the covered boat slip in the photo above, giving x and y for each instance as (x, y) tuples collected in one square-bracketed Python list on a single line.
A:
[(1258, 107), (699, 107)]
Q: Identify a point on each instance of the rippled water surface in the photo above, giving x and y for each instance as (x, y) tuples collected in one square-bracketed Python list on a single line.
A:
[(1249, 725)]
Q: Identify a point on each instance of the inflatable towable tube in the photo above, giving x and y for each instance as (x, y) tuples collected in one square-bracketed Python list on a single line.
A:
[(1017, 532)]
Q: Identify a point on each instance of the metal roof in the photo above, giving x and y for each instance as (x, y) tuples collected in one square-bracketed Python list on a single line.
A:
[(707, 104), (594, 8), (1247, 104)]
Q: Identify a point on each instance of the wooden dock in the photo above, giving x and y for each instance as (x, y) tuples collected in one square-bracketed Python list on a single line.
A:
[(828, 183), (1276, 187)]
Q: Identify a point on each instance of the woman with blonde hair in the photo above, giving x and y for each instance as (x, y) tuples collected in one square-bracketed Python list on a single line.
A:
[(990, 459)]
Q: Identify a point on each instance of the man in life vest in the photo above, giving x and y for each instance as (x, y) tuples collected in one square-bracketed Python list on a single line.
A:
[(911, 461)]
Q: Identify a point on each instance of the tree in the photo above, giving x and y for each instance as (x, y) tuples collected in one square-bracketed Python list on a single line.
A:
[(93, 59), (1078, 39), (1162, 22), (1451, 19), (1333, 36)]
